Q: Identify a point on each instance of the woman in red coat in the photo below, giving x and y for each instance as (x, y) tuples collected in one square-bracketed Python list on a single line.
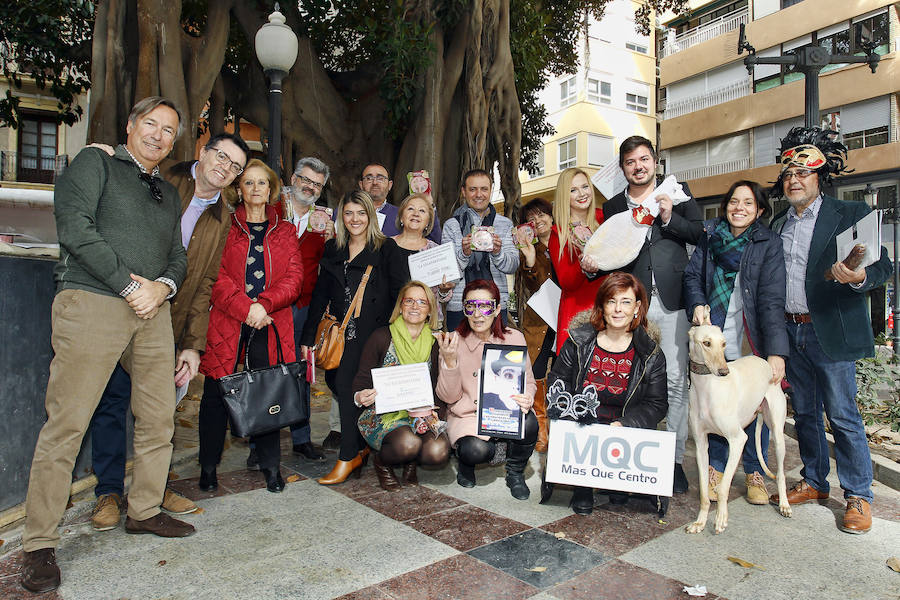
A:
[(577, 216), (259, 280)]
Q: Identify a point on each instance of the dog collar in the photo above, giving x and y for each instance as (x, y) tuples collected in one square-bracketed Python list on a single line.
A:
[(699, 368)]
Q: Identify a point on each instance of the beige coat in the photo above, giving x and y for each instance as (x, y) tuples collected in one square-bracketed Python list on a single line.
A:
[(459, 387)]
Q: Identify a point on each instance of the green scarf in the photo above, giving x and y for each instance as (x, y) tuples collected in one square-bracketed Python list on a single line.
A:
[(411, 351)]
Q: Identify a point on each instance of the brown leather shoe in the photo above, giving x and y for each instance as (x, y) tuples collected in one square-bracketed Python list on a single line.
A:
[(857, 516), (177, 504), (39, 570), (160, 524), (386, 477), (801, 493), (107, 512), (409, 473)]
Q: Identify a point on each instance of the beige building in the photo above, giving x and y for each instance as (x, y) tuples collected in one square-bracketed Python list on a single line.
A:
[(720, 123), (611, 97)]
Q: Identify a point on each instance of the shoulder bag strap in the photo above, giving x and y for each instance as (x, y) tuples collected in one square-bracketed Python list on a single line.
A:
[(356, 303)]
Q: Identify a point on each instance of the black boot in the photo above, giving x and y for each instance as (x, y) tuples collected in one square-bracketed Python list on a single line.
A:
[(582, 500), (517, 456), (680, 482), (208, 481), (546, 487), (274, 482), (465, 474)]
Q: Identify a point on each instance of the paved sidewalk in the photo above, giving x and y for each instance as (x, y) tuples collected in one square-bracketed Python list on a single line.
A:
[(439, 540)]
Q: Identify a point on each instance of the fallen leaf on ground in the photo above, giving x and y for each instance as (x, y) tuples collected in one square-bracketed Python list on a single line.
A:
[(744, 563), (317, 394), (292, 478), (893, 562), (1, 542), (160, 563), (185, 423), (661, 522), (537, 569), (173, 475), (559, 535)]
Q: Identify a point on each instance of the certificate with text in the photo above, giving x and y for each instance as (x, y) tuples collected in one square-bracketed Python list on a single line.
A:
[(432, 265), (402, 387)]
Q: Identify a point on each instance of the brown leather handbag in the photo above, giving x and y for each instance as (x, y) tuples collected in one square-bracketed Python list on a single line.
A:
[(330, 334)]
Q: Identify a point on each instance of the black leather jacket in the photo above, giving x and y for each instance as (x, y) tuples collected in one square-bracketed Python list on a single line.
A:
[(646, 396)]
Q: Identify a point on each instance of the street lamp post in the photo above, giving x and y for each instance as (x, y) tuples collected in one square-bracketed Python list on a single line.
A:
[(276, 49)]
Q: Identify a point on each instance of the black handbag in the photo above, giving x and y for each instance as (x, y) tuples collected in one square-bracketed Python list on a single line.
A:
[(264, 400)]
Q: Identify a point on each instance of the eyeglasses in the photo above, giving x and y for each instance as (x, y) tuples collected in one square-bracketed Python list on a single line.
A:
[(371, 178), (308, 181), (415, 302), (225, 161), (154, 186), (487, 307), (624, 303), (800, 174)]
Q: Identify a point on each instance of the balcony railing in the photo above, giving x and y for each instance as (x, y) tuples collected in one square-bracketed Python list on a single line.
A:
[(705, 32), (16, 166), (726, 93), (710, 170)]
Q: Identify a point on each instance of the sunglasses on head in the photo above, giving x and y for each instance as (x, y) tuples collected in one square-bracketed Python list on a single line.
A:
[(487, 307), (154, 186)]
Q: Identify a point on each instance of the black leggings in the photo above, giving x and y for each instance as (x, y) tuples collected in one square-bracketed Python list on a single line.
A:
[(214, 415), (403, 445), (472, 450)]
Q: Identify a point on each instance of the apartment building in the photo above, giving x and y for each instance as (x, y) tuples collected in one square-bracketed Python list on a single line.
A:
[(720, 123), (611, 97)]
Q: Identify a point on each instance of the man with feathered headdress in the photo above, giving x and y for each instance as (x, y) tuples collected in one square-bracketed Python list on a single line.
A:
[(827, 321)]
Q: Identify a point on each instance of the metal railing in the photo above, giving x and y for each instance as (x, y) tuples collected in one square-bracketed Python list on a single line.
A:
[(710, 170), (705, 32), (16, 166), (726, 93)]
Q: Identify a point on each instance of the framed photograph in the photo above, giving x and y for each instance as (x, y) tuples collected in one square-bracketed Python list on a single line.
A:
[(503, 370)]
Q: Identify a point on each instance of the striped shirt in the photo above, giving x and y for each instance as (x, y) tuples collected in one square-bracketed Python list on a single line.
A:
[(796, 237)]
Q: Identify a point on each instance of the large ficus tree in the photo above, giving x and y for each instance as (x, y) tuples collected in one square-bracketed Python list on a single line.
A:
[(442, 85)]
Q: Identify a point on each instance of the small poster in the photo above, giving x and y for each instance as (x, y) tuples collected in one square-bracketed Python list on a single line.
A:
[(483, 238), (503, 370), (525, 235), (318, 219), (419, 182)]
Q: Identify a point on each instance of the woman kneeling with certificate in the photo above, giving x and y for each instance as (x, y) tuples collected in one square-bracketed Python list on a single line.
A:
[(461, 354), (402, 437)]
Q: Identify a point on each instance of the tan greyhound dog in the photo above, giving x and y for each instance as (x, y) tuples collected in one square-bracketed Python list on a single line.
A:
[(724, 397)]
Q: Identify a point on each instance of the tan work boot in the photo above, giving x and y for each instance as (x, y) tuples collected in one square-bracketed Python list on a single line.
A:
[(107, 512), (714, 478), (540, 411), (177, 504), (756, 489)]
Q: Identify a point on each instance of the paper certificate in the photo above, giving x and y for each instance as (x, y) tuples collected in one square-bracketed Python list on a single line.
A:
[(610, 180), (402, 387), (503, 372), (626, 459), (430, 266)]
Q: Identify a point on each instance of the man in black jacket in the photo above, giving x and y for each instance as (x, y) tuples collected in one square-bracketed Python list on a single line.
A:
[(660, 266)]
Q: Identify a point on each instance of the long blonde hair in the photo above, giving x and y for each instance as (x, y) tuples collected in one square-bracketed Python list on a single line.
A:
[(432, 303), (374, 237), (562, 214)]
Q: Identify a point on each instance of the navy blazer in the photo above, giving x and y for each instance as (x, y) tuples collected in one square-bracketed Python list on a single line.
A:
[(762, 287), (664, 253), (839, 312)]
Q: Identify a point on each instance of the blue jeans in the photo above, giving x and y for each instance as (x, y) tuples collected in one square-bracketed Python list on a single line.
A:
[(718, 449), (108, 434), (300, 432), (817, 383)]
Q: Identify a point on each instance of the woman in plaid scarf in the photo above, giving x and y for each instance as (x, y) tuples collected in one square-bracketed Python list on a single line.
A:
[(738, 271)]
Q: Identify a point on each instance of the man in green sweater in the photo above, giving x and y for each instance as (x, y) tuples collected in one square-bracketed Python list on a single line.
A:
[(121, 259)]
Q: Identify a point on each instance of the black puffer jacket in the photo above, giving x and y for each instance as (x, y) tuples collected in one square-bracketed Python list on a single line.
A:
[(647, 398)]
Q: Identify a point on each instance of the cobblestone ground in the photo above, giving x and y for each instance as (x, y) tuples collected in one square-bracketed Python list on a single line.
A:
[(439, 540)]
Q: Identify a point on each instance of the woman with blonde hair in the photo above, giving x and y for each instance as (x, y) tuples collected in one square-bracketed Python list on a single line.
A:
[(403, 437), (357, 245), (576, 215)]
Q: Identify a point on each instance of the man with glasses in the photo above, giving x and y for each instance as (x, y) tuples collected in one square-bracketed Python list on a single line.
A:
[(375, 181), (205, 220), (827, 322), (121, 259)]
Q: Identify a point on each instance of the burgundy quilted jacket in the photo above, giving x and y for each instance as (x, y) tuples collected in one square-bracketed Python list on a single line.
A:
[(230, 304)]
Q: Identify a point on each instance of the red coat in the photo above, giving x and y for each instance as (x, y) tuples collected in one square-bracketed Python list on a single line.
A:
[(578, 293), (230, 303), (312, 246)]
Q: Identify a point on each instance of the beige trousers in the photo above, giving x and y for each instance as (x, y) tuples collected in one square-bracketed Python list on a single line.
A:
[(91, 333)]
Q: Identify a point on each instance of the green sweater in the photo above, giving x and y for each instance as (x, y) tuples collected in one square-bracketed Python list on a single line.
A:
[(109, 225)]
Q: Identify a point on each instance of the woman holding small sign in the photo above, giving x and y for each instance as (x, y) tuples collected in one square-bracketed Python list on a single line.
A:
[(610, 350), (577, 216), (402, 437), (461, 354)]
